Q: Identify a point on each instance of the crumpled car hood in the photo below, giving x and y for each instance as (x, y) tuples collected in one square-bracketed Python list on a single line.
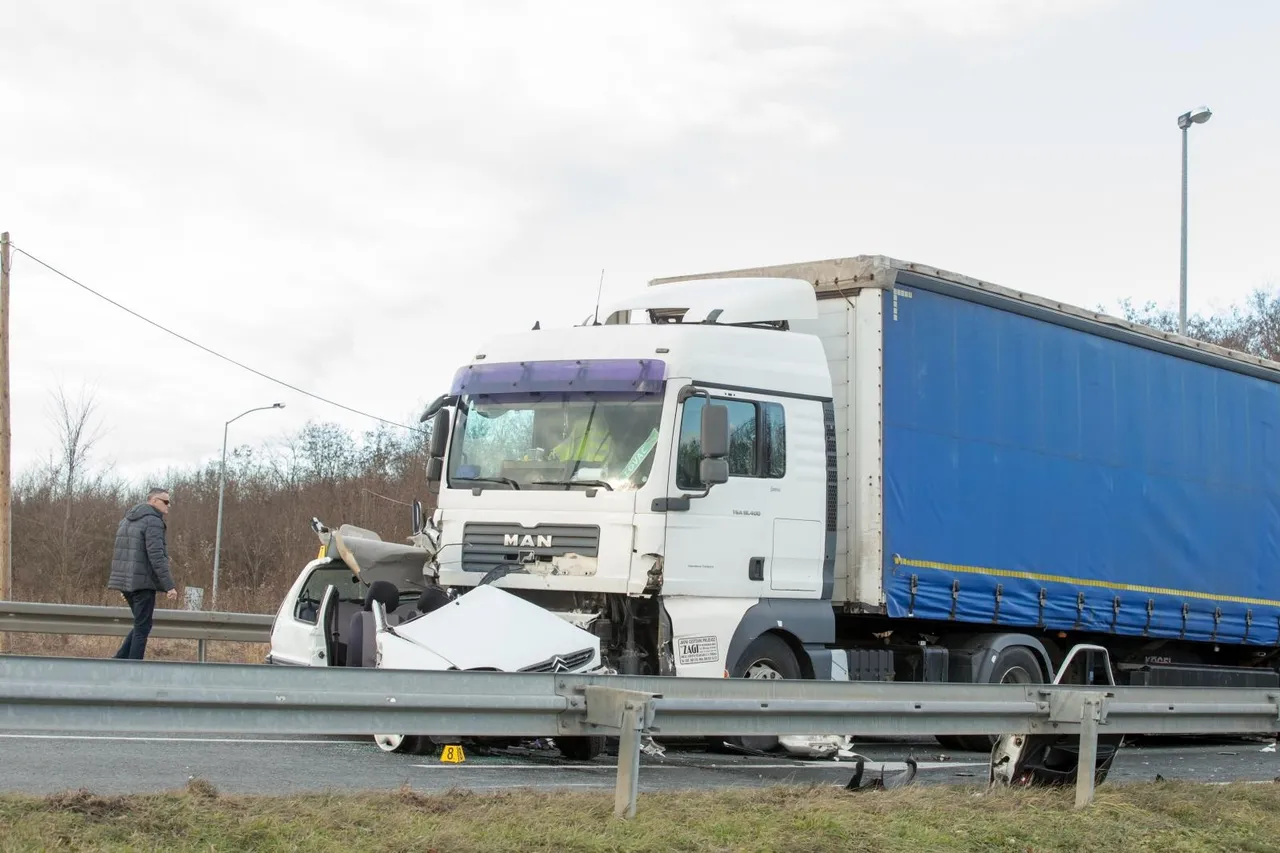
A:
[(489, 628)]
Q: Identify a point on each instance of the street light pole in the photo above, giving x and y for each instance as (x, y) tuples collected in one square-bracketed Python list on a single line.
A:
[(1182, 267), (222, 481), (1196, 116)]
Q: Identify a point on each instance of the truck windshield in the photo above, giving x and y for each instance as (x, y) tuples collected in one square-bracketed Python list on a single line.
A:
[(561, 441), (582, 423)]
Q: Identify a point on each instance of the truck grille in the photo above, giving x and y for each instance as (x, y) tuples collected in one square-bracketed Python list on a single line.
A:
[(563, 663), (487, 546)]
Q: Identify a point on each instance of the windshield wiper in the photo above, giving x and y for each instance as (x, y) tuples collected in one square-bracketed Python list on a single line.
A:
[(505, 481), (597, 483)]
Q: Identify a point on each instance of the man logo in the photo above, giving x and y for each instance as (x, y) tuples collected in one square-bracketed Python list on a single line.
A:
[(515, 540)]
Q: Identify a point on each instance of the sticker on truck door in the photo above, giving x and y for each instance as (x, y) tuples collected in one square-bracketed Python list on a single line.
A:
[(691, 650)]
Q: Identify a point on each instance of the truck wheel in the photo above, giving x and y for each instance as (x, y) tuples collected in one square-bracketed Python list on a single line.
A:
[(1015, 665), (768, 656), (585, 748)]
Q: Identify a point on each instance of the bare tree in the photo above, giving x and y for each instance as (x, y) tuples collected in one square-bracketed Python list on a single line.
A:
[(1253, 328), (327, 452), (272, 493), (77, 431), (77, 435)]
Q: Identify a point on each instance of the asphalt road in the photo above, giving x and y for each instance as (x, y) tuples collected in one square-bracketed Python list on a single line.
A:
[(109, 764)]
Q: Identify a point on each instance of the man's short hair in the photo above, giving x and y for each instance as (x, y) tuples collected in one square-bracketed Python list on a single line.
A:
[(156, 490)]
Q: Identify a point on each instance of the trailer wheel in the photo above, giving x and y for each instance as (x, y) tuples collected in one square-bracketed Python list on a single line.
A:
[(768, 656), (1015, 665), (584, 748)]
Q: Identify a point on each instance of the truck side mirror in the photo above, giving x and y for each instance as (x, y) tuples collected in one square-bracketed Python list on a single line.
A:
[(416, 514), (435, 473), (439, 434), (715, 432), (434, 407), (713, 466), (713, 472)]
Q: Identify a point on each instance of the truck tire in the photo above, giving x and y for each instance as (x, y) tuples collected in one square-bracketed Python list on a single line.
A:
[(1015, 665), (585, 748), (768, 656)]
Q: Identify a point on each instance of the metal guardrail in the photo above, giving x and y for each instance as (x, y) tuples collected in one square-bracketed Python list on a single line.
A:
[(76, 695), (203, 626)]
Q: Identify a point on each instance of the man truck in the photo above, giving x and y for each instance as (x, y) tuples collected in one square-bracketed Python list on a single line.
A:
[(868, 469)]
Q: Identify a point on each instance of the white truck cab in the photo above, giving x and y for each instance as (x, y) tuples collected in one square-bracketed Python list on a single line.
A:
[(664, 479), (661, 478)]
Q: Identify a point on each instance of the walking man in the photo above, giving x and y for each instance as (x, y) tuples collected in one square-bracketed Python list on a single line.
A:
[(140, 567)]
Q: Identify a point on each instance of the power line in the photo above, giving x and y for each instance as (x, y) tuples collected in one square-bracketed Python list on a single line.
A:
[(212, 352)]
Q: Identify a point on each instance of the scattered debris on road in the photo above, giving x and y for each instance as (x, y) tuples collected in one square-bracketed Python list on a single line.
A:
[(881, 783)]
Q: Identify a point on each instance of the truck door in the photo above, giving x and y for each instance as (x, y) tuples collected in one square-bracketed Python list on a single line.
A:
[(721, 544)]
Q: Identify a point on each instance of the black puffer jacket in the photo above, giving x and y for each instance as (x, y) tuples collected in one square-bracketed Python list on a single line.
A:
[(141, 559)]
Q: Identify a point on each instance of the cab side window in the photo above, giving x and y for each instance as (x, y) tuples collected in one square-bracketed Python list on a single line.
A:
[(757, 440)]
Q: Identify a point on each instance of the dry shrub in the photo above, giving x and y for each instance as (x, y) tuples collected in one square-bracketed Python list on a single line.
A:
[(87, 804), (201, 789)]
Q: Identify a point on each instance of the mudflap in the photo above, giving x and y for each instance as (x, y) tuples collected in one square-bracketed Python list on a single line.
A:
[(1047, 760)]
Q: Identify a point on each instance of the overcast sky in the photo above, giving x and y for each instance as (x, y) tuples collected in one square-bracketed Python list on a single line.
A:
[(350, 196)]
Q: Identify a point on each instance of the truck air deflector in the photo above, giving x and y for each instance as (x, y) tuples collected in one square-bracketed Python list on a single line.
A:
[(747, 300)]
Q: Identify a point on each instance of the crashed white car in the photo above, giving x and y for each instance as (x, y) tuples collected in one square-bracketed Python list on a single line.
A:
[(327, 619)]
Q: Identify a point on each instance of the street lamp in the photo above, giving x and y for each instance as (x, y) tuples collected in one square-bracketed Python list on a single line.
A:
[(1197, 116), (222, 477)]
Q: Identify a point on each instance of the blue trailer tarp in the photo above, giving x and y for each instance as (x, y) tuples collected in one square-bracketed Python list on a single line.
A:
[(1037, 475)]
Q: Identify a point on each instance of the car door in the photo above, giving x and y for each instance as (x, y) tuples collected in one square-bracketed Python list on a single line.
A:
[(298, 628)]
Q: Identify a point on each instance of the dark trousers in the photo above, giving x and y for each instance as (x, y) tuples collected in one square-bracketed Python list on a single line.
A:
[(143, 605)]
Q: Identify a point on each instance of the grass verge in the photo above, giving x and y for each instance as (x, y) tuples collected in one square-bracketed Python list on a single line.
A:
[(1166, 817)]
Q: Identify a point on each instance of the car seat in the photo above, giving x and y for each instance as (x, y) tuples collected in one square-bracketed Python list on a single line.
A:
[(361, 646)]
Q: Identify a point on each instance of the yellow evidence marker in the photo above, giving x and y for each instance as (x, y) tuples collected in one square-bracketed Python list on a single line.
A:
[(452, 754)]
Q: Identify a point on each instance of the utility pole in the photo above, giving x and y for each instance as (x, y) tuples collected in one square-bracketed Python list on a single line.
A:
[(6, 496)]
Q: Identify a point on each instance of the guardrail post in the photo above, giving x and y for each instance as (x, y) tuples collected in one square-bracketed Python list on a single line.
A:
[(630, 713), (627, 789), (1086, 769), (200, 650)]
